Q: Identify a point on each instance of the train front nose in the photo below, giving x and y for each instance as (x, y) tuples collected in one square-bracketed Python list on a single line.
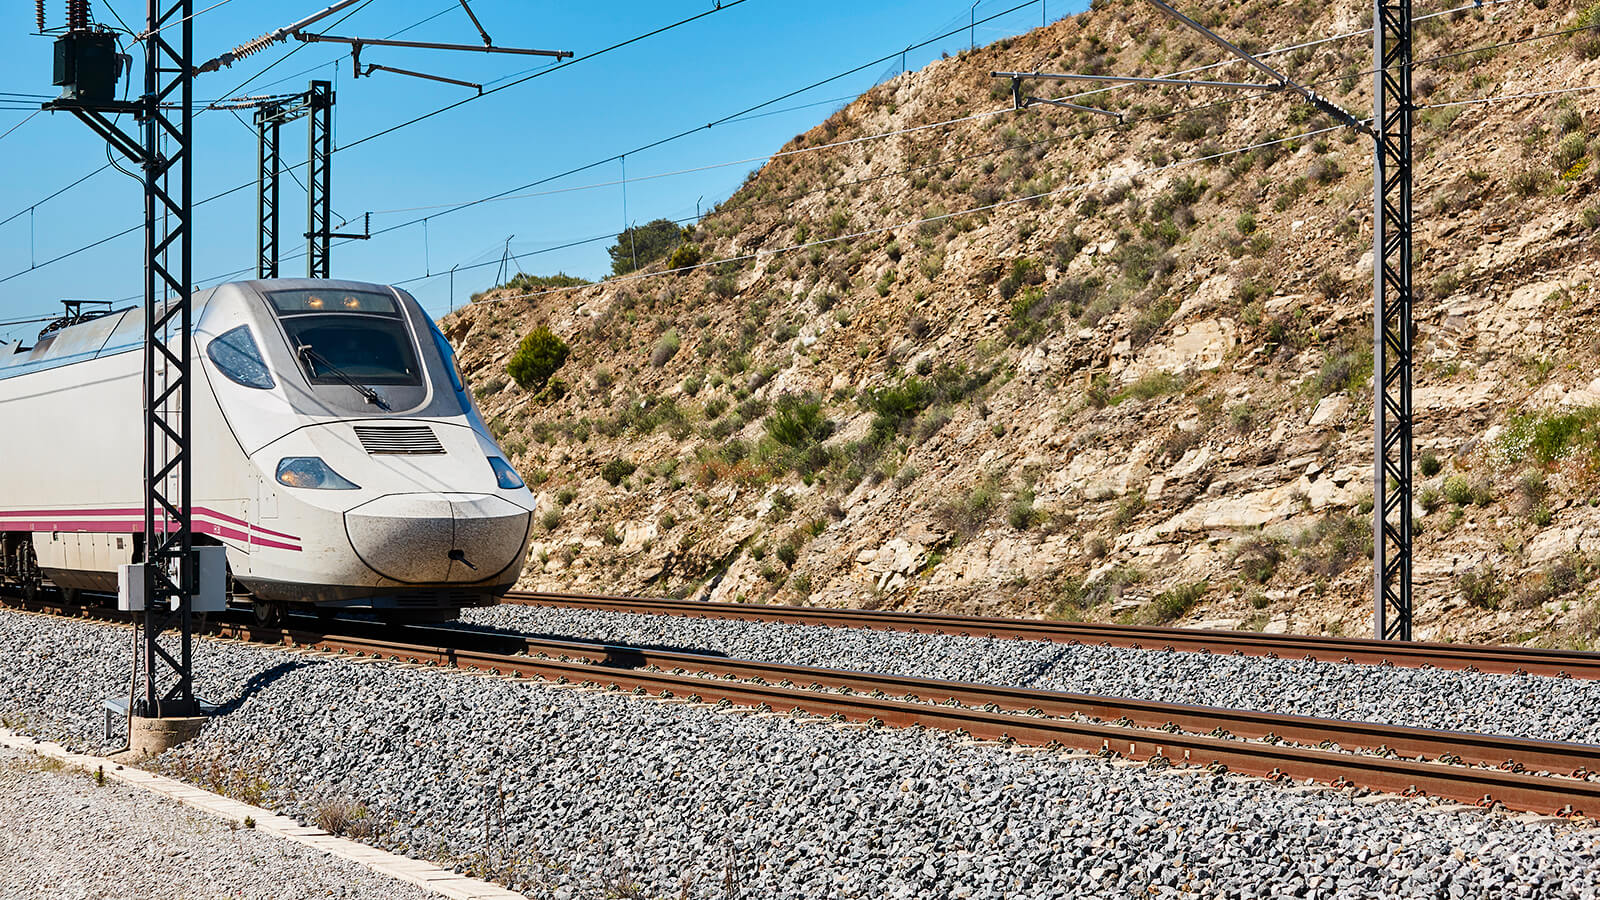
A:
[(436, 538)]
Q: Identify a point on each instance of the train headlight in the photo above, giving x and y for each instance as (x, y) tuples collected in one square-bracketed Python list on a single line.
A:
[(506, 476), (311, 472)]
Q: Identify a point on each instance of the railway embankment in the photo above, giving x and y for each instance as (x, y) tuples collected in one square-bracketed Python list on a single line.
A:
[(573, 792)]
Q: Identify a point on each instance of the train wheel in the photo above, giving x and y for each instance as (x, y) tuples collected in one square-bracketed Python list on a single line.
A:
[(268, 613)]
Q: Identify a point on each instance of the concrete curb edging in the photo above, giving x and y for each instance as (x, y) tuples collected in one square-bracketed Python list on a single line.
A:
[(422, 874)]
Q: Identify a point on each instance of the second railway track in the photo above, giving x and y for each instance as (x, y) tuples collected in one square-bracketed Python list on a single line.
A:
[(1465, 767), (1498, 659)]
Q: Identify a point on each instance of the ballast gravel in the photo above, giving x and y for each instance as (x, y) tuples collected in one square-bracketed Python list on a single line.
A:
[(572, 793), (1520, 705), (62, 835)]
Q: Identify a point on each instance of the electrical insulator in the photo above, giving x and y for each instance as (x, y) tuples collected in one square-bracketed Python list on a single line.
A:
[(38, 10), (77, 15)]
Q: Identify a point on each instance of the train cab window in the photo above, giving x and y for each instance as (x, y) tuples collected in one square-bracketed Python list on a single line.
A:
[(356, 335), (236, 356)]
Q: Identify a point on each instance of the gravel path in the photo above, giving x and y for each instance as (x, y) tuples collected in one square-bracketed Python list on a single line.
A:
[(1521, 705), (583, 794), (63, 836)]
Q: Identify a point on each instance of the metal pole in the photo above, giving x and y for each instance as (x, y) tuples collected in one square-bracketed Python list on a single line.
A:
[(1392, 321), (169, 540), (319, 180), (162, 147), (269, 125)]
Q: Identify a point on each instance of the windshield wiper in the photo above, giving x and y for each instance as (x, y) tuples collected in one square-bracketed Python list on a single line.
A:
[(313, 358)]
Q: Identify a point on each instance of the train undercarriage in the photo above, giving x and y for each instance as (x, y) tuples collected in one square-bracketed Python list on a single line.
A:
[(21, 575)]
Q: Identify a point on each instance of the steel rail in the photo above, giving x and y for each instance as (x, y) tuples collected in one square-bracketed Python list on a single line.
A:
[(1497, 659), (1468, 784), (1499, 775)]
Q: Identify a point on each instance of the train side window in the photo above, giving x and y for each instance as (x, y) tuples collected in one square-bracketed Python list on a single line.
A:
[(449, 355), (236, 356)]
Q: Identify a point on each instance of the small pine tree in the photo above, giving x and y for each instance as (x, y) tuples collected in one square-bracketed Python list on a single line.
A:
[(538, 357)]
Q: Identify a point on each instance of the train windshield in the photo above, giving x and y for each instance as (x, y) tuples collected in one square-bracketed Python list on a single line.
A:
[(348, 335)]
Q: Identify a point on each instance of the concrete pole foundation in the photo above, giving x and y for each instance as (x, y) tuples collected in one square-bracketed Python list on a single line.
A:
[(149, 738)]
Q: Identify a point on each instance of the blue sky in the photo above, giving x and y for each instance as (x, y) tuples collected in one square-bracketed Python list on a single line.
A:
[(724, 63)]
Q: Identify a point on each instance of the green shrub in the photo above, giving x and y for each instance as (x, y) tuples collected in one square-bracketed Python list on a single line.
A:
[(1527, 182), (1033, 312), (1149, 321), (1024, 272), (897, 407), (1458, 490), (1548, 437), (537, 358), (1430, 499), (665, 349), (526, 283), (1481, 587), (641, 245), (797, 421), (1335, 541), (1257, 558), (1429, 464), (617, 469), (1127, 511), (1022, 513), (492, 386), (685, 256), (1149, 386), (1029, 316), (1175, 603), (1342, 370), (966, 515), (1571, 149)]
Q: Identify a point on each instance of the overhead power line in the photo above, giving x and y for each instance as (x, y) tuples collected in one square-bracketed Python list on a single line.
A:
[(1524, 96), (932, 165), (702, 168), (33, 206), (723, 5), (912, 223), (614, 157), (789, 198), (516, 191)]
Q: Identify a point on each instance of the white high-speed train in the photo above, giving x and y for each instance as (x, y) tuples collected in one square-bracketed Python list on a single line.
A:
[(337, 455)]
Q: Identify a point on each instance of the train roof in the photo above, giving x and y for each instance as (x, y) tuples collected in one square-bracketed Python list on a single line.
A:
[(115, 332), (122, 330)]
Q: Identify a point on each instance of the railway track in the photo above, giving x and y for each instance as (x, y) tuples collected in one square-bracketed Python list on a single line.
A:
[(1469, 657), (1538, 776)]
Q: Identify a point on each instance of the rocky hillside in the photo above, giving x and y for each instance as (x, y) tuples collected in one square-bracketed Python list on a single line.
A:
[(1134, 383)]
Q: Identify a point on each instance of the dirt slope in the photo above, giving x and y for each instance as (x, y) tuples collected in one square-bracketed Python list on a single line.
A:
[(1144, 393)]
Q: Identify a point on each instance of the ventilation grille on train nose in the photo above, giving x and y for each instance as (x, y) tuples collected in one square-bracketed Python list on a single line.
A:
[(418, 440)]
